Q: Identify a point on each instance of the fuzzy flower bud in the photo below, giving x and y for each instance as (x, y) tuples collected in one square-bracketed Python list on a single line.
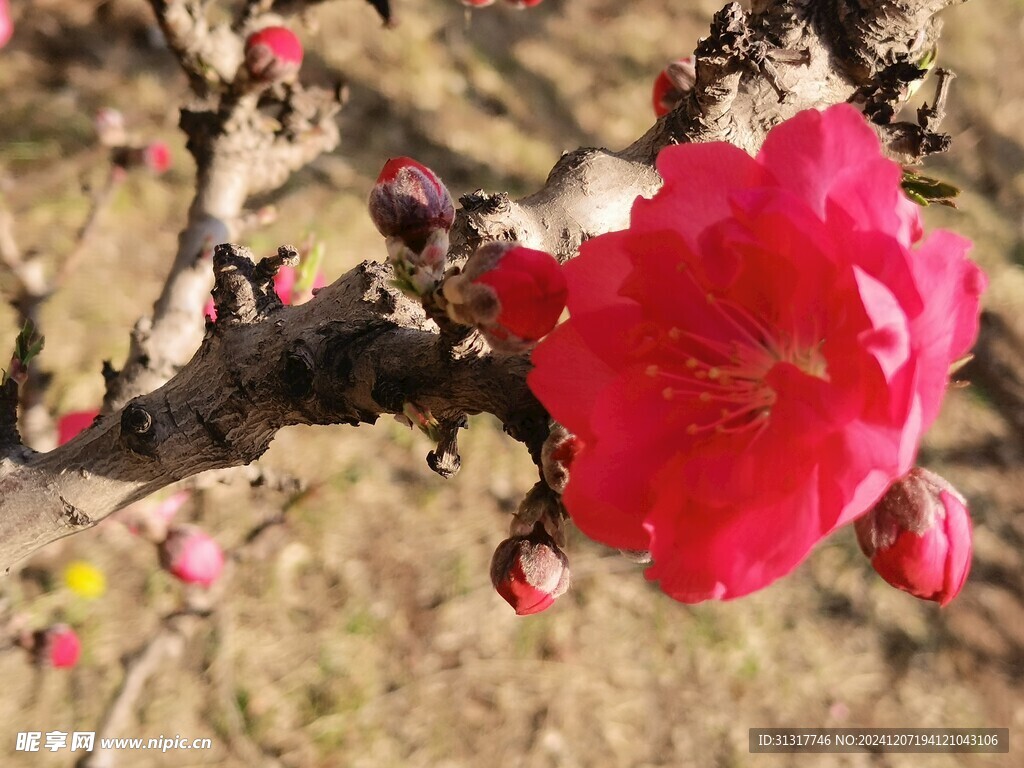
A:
[(918, 537), (409, 202), (672, 85), (556, 457), (514, 295), (273, 54), (191, 555), (530, 572), (58, 646)]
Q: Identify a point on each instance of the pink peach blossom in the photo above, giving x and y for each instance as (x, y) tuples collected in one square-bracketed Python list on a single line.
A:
[(754, 360)]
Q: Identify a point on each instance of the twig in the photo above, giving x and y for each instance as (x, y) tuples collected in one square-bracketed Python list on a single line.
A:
[(168, 643), (98, 203)]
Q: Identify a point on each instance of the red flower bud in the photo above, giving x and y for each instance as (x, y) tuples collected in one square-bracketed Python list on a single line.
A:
[(70, 424), (6, 25), (672, 85), (530, 572), (157, 156), (272, 54), (191, 555), (284, 284), (514, 294), (477, 3), (57, 646), (523, 3), (409, 202), (918, 537)]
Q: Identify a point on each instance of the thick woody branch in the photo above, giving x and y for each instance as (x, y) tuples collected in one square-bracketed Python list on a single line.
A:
[(357, 350), (209, 54), (244, 143), (754, 70)]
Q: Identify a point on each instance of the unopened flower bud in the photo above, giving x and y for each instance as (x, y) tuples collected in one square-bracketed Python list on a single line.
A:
[(70, 424), (523, 3), (513, 294), (273, 54), (530, 572), (6, 25), (57, 646), (409, 202), (672, 85), (556, 457), (109, 125), (918, 537), (157, 156), (477, 3), (191, 555)]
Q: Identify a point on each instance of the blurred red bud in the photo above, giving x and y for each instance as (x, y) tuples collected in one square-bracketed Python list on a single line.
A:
[(57, 646), (918, 537), (672, 85), (273, 54), (6, 25), (157, 156), (70, 424), (191, 555)]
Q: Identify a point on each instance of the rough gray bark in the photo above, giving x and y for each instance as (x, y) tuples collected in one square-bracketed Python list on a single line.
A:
[(360, 348)]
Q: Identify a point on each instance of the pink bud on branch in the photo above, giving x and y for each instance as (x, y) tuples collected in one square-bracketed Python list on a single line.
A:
[(157, 157), (273, 54), (672, 85), (513, 294), (477, 3), (6, 25), (918, 537), (56, 646), (191, 555), (409, 202), (557, 455), (413, 209), (530, 572), (70, 424)]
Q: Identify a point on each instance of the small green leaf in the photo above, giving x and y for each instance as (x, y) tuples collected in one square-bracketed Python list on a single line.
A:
[(28, 344), (310, 265), (925, 190)]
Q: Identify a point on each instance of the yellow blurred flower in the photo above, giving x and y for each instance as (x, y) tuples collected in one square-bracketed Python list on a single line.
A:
[(85, 579)]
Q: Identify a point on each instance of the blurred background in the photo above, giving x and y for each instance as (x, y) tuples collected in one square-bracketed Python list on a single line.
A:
[(364, 630)]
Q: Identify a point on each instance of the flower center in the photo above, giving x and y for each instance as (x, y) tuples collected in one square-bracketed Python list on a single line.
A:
[(724, 376)]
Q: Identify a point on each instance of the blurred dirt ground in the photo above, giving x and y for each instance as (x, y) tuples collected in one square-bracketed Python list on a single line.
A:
[(365, 632)]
